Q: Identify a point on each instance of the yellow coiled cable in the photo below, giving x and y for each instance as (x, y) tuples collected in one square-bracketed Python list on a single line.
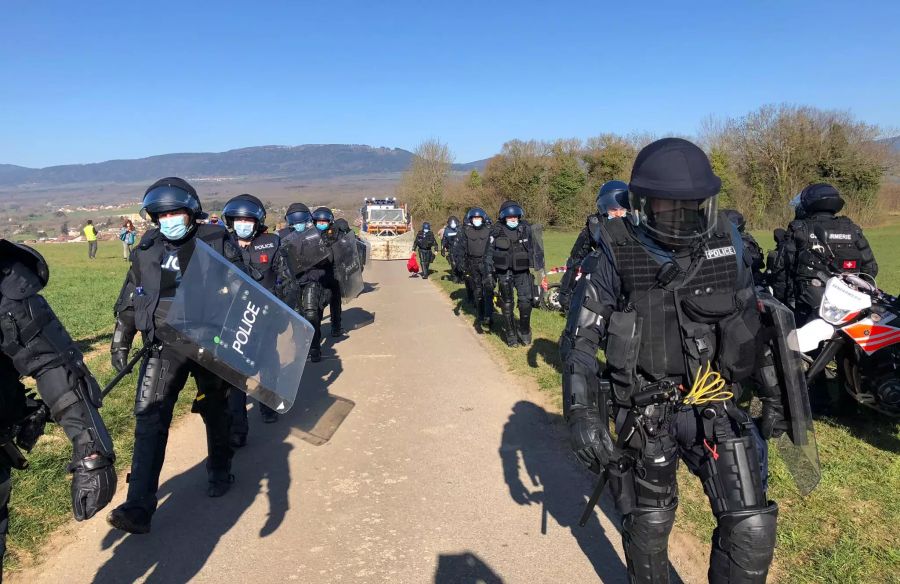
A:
[(709, 386)]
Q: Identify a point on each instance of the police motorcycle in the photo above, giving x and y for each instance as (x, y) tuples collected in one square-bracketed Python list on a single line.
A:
[(859, 327)]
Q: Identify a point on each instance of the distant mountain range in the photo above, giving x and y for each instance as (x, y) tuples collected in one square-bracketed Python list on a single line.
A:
[(309, 161)]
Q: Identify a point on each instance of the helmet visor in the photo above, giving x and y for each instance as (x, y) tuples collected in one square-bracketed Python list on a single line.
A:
[(512, 211), (677, 222), (298, 217), (168, 198)]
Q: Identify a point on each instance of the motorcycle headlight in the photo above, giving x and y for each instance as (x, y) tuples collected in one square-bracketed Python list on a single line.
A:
[(841, 303), (832, 313)]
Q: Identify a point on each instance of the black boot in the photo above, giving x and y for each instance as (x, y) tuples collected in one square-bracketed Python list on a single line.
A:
[(525, 330), (130, 519), (512, 340), (219, 483)]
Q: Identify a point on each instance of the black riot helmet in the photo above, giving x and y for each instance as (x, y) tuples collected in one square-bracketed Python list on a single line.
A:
[(453, 222), (426, 226), (298, 214), (171, 194), (244, 207), (674, 192), (611, 196), (323, 214), (821, 198), (736, 218), (477, 212), (510, 209)]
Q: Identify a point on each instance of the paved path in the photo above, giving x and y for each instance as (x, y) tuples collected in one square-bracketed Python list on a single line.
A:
[(444, 471)]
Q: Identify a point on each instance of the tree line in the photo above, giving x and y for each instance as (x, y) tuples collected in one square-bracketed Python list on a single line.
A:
[(764, 158)]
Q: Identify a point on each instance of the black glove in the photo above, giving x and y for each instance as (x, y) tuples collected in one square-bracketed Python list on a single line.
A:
[(32, 427), (772, 423), (119, 359), (591, 440), (93, 485)]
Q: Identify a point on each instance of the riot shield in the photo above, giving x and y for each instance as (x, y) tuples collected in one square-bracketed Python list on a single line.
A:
[(348, 266), (364, 248), (225, 321), (537, 247), (304, 250), (798, 446)]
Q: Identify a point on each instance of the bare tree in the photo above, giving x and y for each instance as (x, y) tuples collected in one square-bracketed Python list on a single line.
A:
[(424, 185)]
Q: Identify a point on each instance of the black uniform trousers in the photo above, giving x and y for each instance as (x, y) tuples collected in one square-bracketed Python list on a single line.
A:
[(482, 293), (729, 457), (521, 285), (162, 377)]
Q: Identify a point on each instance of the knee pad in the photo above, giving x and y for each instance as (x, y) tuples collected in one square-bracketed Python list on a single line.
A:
[(743, 545), (733, 478), (645, 537)]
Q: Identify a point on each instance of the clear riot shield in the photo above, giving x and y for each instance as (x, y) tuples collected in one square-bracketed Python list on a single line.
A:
[(798, 446), (303, 250), (537, 247), (225, 321), (364, 248), (348, 266)]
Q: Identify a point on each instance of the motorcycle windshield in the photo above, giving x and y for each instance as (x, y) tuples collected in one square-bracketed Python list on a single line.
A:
[(232, 326)]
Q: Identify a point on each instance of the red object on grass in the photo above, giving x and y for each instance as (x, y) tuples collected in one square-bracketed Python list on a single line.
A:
[(413, 264)]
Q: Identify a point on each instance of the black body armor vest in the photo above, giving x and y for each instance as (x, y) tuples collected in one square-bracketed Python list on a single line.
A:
[(687, 311), (476, 241), (511, 250), (260, 254)]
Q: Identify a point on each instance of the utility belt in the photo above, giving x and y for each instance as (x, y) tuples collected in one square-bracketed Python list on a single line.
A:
[(650, 410)]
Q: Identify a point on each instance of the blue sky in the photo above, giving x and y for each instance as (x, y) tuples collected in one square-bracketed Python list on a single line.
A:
[(92, 81)]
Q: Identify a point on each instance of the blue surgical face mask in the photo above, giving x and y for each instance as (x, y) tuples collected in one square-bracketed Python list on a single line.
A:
[(425, 229), (244, 229), (477, 222), (512, 223), (299, 227), (173, 228), (322, 226)]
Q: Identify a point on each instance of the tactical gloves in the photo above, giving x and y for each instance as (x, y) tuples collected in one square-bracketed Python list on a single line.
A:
[(591, 440), (93, 485)]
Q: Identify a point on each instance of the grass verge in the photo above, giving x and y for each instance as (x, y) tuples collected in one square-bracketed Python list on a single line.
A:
[(82, 293)]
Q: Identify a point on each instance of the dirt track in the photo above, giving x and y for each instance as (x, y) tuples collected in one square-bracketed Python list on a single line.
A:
[(447, 469)]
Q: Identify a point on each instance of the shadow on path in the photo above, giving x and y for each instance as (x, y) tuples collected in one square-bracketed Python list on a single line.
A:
[(188, 525), (559, 485), (464, 568)]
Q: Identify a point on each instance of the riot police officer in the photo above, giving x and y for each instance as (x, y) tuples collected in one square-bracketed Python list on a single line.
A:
[(471, 247), (801, 260), (669, 296), (612, 201), (448, 241), (425, 246), (303, 288), (334, 230), (509, 259), (34, 343), (173, 206), (753, 254), (245, 215)]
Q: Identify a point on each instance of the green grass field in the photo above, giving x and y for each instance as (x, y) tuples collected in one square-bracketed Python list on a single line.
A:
[(846, 530), (82, 293)]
